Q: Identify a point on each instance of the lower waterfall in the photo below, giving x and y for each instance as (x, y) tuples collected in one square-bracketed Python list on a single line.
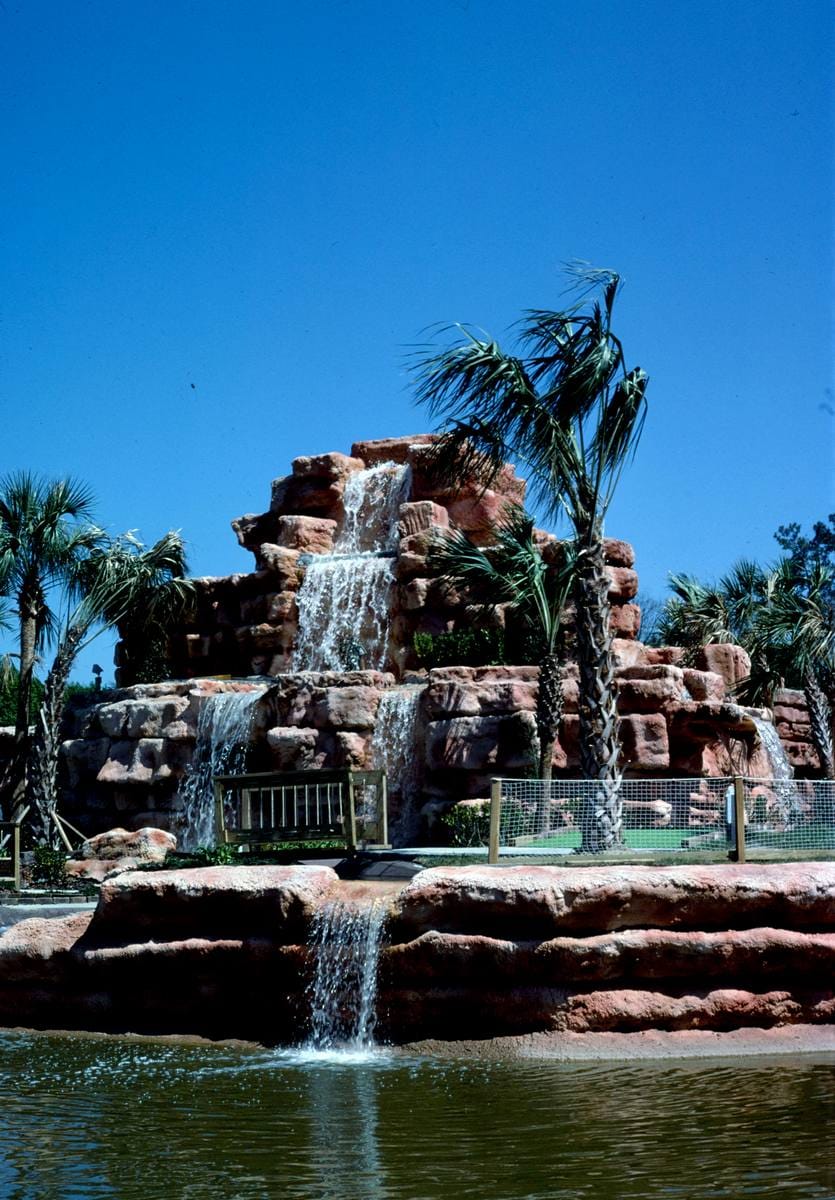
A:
[(345, 941)]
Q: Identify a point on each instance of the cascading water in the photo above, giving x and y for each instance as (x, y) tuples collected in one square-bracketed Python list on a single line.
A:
[(782, 772), (345, 940), (223, 734), (344, 599), (394, 750)]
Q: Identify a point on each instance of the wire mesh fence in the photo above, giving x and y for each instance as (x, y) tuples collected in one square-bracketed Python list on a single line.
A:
[(532, 816)]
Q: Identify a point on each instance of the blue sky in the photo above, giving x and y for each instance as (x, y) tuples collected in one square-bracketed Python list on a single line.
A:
[(225, 223)]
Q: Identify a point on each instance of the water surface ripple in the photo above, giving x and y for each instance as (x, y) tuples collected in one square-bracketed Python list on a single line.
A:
[(89, 1117)]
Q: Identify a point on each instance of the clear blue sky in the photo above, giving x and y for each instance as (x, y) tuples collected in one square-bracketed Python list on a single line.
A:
[(224, 223)]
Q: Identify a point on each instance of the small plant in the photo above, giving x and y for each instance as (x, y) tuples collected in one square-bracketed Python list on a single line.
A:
[(469, 824), (49, 868), (214, 856), (460, 648)]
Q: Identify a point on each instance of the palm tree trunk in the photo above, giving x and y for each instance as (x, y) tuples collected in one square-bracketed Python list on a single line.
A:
[(14, 781), (46, 744), (549, 707), (820, 719), (601, 820)]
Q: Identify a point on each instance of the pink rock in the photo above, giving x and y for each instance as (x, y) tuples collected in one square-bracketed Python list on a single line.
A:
[(479, 514), (210, 902), (153, 717), (648, 695), (625, 620), (725, 659), (618, 554), (143, 845), (531, 902), (310, 535), (353, 750), (282, 565), (390, 449), (347, 708), (133, 763), (463, 743), (254, 528), (292, 748), (327, 466), (704, 685), (623, 584), (644, 741), (421, 515)]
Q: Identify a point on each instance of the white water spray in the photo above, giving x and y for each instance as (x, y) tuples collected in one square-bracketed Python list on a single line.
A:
[(344, 599), (223, 732), (345, 940), (782, 772), (394, 750)]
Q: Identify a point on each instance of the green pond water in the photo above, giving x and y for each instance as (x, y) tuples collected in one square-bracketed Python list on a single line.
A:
[(90, 1117)]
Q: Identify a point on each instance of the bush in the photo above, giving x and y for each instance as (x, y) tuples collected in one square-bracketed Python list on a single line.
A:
[(460, 648), (469, 824), (8, 697), (50, 867)]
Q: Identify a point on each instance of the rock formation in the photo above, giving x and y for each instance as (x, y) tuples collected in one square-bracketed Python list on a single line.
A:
[(468, 952)]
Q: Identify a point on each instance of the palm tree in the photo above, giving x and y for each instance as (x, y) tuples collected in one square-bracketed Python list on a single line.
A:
[(782, 618), (42, 535), (568, 409), (513, 572), (116, 577)]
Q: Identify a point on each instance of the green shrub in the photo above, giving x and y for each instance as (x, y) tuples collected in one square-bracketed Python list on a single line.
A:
[(8, 697), (469, 824), (460, 648), (50, 867)]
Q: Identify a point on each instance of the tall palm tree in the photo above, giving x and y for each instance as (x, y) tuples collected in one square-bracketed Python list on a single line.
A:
[(117, 576), (513, 572), (568, 409), (42, 534), (782, 618)]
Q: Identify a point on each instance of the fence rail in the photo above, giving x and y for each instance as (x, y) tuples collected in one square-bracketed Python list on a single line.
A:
[(731, 814), (349, 807)]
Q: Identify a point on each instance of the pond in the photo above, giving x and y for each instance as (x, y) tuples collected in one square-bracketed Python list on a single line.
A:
[(90, 1117)]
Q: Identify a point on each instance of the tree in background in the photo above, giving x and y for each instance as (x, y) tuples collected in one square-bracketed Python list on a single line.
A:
[(43, 531), (115, 577), (782, 617), (571, 413), (513, 573)]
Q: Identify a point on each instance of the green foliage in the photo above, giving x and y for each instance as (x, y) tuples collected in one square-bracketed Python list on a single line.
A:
[(809, 554), (469, 824), (461, 648), (50, 867), (213, 856), (8, 697)]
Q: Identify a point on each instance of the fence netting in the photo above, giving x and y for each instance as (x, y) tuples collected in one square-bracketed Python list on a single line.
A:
[(666, 815)]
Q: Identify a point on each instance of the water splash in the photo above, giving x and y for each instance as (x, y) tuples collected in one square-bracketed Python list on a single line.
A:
[(345, 940), (782, 772), (223, 734), (394, 749), (344, 599)]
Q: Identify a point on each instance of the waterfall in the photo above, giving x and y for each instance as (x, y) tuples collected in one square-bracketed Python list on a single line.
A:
[(344, 598), (223, 732), (345, 940), (782, 772), (394, 750)]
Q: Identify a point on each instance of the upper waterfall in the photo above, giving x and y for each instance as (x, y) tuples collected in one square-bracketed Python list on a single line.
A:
[(344, 599)]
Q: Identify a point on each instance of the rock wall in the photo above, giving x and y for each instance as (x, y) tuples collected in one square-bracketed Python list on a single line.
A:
[(469, 952), (247, 624), (123, 760)]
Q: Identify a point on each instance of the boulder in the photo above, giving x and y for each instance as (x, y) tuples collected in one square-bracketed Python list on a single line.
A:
[(310, 535), (539, 902), (327, 466), (463, 743), (625, 620), (644, 741), (725, 659), (157, 717), (210, 902), (421, 515), (292, 748), (347, 707), (623, 584), (396, 449), (135, 762), (618, 553), (143, 845), (282, 566), (252, 529)]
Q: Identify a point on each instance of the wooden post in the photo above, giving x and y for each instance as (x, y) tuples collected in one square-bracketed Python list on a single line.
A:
[(352, 815), (495, 815), (384, 811), (61, 830), (739, 818), (220, 820), (16, 856)]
